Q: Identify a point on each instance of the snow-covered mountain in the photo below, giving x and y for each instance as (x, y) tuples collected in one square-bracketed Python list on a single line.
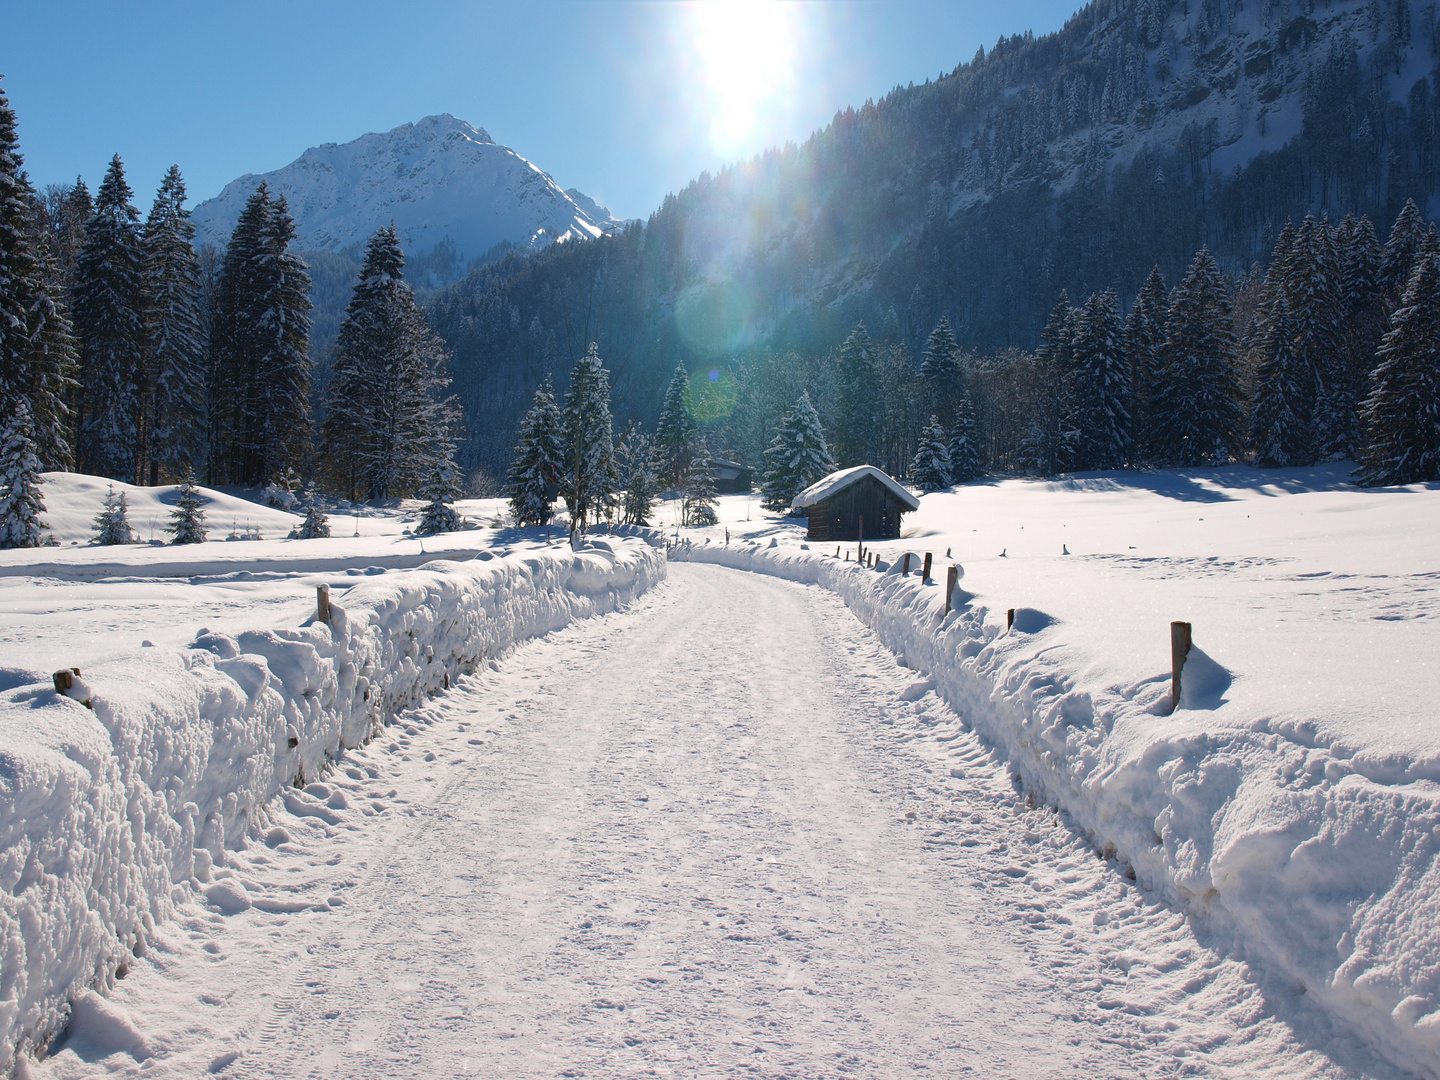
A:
[(437, 178)]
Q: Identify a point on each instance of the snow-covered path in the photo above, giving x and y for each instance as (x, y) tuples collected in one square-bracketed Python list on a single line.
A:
[(720, 834)]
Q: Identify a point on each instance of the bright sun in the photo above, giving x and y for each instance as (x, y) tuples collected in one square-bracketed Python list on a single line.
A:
[(746, 47)]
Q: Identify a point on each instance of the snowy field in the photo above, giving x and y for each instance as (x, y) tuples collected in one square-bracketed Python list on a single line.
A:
[(738, 828)]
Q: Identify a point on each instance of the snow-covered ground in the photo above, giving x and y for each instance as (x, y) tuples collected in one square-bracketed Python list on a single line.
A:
[(722, 833), (490, 893)]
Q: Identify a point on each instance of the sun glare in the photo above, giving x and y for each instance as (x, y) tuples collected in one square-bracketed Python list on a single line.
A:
[(746, 48)]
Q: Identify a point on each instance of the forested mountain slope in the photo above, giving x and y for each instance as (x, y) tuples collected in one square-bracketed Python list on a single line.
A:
[(1139, 132)]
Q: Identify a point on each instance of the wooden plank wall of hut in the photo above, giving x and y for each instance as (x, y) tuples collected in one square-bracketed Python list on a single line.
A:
[(838, 518)]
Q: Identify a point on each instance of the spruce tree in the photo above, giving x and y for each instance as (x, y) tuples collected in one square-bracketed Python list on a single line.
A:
[(930, 469), (108, 316), (795, 458), (1402, 412), (857, 399), (1311, 286), (639, 475), (37, 357), (187, 520), (1196, 400), (441, 489), (697, 499), (1279, 430), (1101, 385), (387, 383), (1057, 423), (112, 524), (1398, 258), (21, 503), (963, 449), (588, 481), (1144, 337), (260, 348), (676, 434), (539, 459), (173, 388), (940, 373), (316, 525)]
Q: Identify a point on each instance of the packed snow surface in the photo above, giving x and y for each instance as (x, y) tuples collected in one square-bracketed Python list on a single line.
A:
[(721, 833)]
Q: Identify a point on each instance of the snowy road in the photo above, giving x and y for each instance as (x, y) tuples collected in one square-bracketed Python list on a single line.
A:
[(720, 834)]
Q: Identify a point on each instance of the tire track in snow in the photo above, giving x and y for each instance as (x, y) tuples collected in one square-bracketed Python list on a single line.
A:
[(715, 835)]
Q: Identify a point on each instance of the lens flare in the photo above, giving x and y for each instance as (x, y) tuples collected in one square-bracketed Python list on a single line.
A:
[(747, 53)]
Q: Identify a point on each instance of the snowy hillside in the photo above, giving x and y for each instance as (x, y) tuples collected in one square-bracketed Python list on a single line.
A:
[(436, 178)]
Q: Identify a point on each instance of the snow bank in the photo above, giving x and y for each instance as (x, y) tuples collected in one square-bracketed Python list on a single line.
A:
[(1318, 860), (103, 812)]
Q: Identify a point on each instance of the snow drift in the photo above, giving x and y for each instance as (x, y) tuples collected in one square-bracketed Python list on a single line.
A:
[(104, 811), (1319, 861)]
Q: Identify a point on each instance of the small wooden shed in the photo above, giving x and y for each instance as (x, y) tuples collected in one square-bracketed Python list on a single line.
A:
[(854, 505), (729, 477)]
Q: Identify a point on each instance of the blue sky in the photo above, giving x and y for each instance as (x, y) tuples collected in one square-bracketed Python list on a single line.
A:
[(626, 101)]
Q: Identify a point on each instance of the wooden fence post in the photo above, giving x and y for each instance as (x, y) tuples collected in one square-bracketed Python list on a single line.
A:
[(1010, 619), (1179, 649), (64, 680), (905, 565), (952, 578), (925, 572), (322, 604)]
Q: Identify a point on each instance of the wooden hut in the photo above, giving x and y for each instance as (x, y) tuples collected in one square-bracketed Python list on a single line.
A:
[(855, 505), (729, 477)]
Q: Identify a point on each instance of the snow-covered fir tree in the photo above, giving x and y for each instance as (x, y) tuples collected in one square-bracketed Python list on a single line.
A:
[(1402, 412), (930, 469), (588, 483), (963, 448), (1279, 430), (1056, 420), (1101, 385), (388, 382), (112, 524), (1311, 286), (37, 357), (940, 373), (1398, 259), (539, 460), (676, 434), (796, 457), (639, 476), (697, 498), (108, 316), (1196, 398), (857, 399), (172, 393), (21, 503), (187, 520), (1144, 336), (441, 489), (260, 348), (316, 525)]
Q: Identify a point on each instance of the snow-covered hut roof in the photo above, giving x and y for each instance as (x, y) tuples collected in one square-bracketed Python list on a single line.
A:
[(822, 489)]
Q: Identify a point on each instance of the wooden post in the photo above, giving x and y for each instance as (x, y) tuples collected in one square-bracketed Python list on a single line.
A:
[(1179, 649), (64, 680), (837, 551), (925, 571), (952, 578), (1010, 619), (322, 604), (905, 565), (860, 538), (947, 553)]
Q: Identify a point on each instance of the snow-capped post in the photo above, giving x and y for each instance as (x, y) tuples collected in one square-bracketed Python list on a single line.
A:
[(322, 604), (925, 570), (65, 682), (1010, 619), (1179, 649), (905, 565), (952, 578)]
